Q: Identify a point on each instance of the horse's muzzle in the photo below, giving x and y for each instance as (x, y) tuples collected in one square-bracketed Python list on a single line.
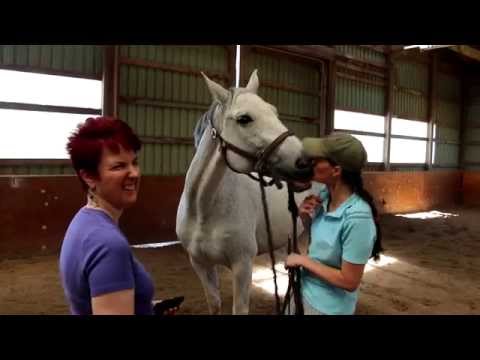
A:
[(301, 175)]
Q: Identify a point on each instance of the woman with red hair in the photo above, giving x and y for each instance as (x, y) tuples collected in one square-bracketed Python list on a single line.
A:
[(99, 272)]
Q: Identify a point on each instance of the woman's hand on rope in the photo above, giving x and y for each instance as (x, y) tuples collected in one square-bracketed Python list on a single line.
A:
[(308, 207), (294, 260)]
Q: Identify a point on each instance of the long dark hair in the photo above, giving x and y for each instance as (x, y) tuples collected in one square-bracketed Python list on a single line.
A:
[(354, 180)]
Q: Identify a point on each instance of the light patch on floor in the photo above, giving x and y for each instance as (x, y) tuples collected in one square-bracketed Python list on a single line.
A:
[(262, 276), (383, 261), (156, 245), (434, 214)]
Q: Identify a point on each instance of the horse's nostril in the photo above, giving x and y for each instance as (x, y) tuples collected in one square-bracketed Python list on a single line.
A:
[(302, 163)]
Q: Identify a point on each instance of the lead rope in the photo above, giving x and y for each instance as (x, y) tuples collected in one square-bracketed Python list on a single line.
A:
[(294, 274), (263, 183), (294, 282)]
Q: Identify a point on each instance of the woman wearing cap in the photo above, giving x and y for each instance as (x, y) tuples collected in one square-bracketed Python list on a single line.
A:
[(344, 230)]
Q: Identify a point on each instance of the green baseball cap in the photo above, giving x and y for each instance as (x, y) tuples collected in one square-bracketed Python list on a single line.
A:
[(344, 149)]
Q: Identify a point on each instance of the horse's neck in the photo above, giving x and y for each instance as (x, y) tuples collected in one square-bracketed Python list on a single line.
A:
[(207, 172)]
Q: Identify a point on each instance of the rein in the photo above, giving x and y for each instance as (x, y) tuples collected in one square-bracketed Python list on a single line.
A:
[(293, 273)]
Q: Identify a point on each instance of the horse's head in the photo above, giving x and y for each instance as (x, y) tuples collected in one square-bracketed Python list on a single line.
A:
[(250, 124)]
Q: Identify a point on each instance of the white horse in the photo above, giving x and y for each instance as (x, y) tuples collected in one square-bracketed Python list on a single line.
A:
[(220, 218)]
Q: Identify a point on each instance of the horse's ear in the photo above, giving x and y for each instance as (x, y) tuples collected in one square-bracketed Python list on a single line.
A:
[(253, 83), (219, 93)]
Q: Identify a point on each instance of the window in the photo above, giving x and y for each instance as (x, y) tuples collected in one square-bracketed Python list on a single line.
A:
[(348, 120), (405, 150), (434, 150), (434, 145), (36, 134), (408, 151), (373, 145), (409, 127), (38, 112), (365, 128)]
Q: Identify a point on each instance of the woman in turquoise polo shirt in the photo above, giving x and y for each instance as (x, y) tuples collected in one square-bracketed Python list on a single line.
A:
[(344, 230)]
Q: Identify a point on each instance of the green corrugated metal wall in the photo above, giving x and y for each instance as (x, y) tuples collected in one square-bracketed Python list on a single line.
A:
[(166, 102), (80, 60), (84, 60), (361, 53), (410, 99), (298, 103), (410, 84), (359, 96), (353, 94), (446, 155), (37, 170), (153, 121), (447, 119), (449, 86)]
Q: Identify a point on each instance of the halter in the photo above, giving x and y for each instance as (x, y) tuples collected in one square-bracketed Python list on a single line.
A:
[(259, 159)]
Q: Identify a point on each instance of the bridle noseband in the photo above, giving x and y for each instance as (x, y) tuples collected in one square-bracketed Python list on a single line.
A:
[(259, 159)]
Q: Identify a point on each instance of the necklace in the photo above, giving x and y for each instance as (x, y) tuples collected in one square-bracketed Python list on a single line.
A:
[(93, 203)]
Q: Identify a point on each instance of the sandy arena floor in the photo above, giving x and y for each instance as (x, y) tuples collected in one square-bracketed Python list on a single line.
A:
[(431, 266)]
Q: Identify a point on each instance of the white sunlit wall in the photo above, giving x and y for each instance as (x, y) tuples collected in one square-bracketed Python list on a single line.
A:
[(35, 134), (29, 134)]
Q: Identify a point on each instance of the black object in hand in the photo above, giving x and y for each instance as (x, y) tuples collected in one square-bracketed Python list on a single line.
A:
[(167, 304)]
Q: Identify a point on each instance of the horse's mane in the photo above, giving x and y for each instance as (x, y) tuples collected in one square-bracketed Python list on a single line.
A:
[(203, 123)]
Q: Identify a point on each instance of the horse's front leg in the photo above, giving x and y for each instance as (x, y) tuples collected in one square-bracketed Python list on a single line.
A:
[(242, 281), (211, 285)]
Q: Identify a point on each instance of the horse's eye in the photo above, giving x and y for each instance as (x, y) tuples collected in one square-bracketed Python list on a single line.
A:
[(244, 120)]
